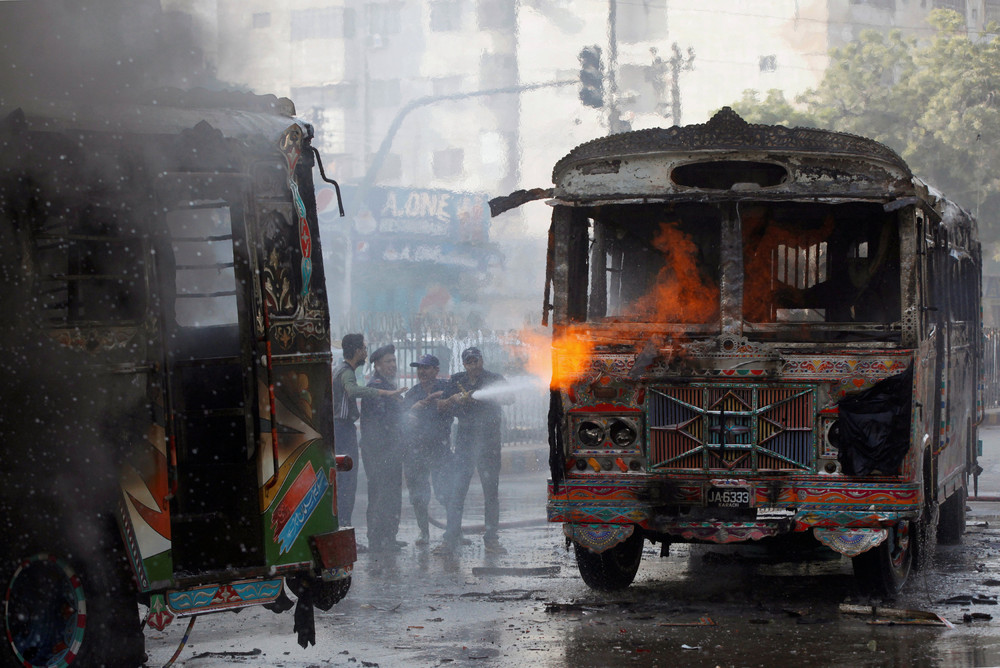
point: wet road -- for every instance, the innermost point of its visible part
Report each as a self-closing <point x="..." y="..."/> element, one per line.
<point x="700" y="606"/>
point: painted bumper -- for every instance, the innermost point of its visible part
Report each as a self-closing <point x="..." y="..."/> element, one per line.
<point x="678" y="507"/>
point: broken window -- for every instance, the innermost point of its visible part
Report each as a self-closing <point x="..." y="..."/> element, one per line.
<point x="202" y="241"/>
<point x="88" y="270"/>
<point x="820" y="263"/>
<point x="655" y="263"/>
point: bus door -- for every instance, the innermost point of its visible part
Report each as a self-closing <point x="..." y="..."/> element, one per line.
<point x="215" y="517"/>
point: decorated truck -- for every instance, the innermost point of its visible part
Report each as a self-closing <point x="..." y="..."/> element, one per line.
<point x="166" y="434"/>
<point x="760" y="334"/>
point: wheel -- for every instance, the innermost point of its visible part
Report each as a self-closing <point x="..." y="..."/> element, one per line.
<point x="882" y="570"/>
<point x="951" y="523"/>
<point x="59" y="611"/>
<point x="612" y="569"/>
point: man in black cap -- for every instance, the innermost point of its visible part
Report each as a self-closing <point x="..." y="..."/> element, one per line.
<point x="382" y="453"/>
<point x="346" y="393"/>
<point x="477" y="446"/>
<point x="427" y="426"/>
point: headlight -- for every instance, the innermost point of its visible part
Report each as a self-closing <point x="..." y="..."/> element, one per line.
<point x="590" y="434"/>
<point x="622" y="433"/>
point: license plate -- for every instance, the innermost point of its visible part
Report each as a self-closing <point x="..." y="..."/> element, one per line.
<point x="728" y="497"/>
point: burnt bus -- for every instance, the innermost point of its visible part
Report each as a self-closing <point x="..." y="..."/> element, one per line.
<point x="759" y="334"/>
<point x="166" y="430"/>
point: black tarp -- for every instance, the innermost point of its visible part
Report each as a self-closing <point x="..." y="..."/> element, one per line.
<point x="874" y="427"/>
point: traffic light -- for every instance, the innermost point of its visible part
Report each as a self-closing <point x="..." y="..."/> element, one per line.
<point x="591" y="77"/>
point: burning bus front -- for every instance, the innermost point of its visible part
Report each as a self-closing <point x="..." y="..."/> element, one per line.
<point x="730" y="455"/>
<point x="750" y="345"/>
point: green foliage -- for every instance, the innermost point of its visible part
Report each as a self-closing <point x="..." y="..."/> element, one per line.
<point x="936" y="103"/>
<point x="773" y="110"/>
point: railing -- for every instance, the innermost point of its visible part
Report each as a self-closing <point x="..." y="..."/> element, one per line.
<point x="991" y="370"/>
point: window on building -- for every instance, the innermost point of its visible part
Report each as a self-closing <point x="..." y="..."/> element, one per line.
<point x="954" y="5"/>
<point x="991" y="10"/>
<point x="447" y="85"/>
<point x="384" y="18"/>
<point x="448" y="163"/>
<point x="641" y="21"/>
<point x="446" y="15"/>
<point x="262" y="20"/>
<point x="335" y="96"/>
<point x="768" y="63"/>
<point x="493" y="155"/>
<point x="887" y="5"/>
<point x="384" y="93"/>
<point x="496" y="15"/>
<point x="322" y="23"/>
<point x="497" y="70"/>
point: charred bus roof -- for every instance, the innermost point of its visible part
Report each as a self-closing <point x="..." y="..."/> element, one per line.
<point x="240" y="116"/>
<point x="728" y="158"/>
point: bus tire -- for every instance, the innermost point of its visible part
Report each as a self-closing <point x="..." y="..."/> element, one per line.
<point x="59" y="611"/>
<point x="882" y="571"/>
<point x="951" y="522"/>
<point x="613" y="569"/>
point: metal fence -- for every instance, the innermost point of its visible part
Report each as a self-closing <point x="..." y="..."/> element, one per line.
<point x="504" y="352"/>
<point x="991" y="375"/>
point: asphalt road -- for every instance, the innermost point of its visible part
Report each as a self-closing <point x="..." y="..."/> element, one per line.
<point x="699" y="606"/>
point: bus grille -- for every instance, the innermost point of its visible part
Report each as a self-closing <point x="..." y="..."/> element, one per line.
<point x="732" y="428"/>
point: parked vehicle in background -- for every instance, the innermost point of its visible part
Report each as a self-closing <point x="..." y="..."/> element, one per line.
<point x="759" y="334"/>
<point x="167" y="431"/>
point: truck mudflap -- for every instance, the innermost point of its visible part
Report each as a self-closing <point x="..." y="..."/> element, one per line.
<point x="598" y="538"/>
<point x="851" y="542"/>
<point x="336" y="552"/>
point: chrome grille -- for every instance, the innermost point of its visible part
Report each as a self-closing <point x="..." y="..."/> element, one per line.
<point x="732" y="428"/>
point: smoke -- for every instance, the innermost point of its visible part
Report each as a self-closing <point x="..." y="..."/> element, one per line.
<point x="104" y="50"/>
<point x="66" y="425"/>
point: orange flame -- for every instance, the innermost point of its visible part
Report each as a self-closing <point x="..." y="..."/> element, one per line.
<point x="680" y="294"/>
<point x="563" y="358"/>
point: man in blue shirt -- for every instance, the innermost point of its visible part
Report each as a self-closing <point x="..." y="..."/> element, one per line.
<point x="427" y="425"/>
<point x="382" y="452"/>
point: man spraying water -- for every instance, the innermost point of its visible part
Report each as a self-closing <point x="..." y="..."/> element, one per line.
<point x="477" y="445"/>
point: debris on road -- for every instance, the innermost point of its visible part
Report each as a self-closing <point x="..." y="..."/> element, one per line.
<point x="970" y="617"/>
<point x="894" y="616"/>
<point x="704" y="620"/>
<point x="510" y="570"/>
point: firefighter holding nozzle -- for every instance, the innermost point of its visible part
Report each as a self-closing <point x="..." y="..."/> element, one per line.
<point x="477" y="396"/>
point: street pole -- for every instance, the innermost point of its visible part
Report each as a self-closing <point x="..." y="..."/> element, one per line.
<point x="368" y="181"/>
<point x="615" y="125"/>
<point x="383" y="150"/>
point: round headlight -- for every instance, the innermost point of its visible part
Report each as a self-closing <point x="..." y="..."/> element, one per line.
<point x="623" y="434"/>
<point x="591" y="434"/>
<point x="833" y="434"/>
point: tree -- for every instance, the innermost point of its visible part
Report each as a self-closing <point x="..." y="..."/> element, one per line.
<point x="936" y="103"/>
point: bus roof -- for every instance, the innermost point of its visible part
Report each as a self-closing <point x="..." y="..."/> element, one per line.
<point x="771" y="160"/>
<point x="166" y="112"/>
